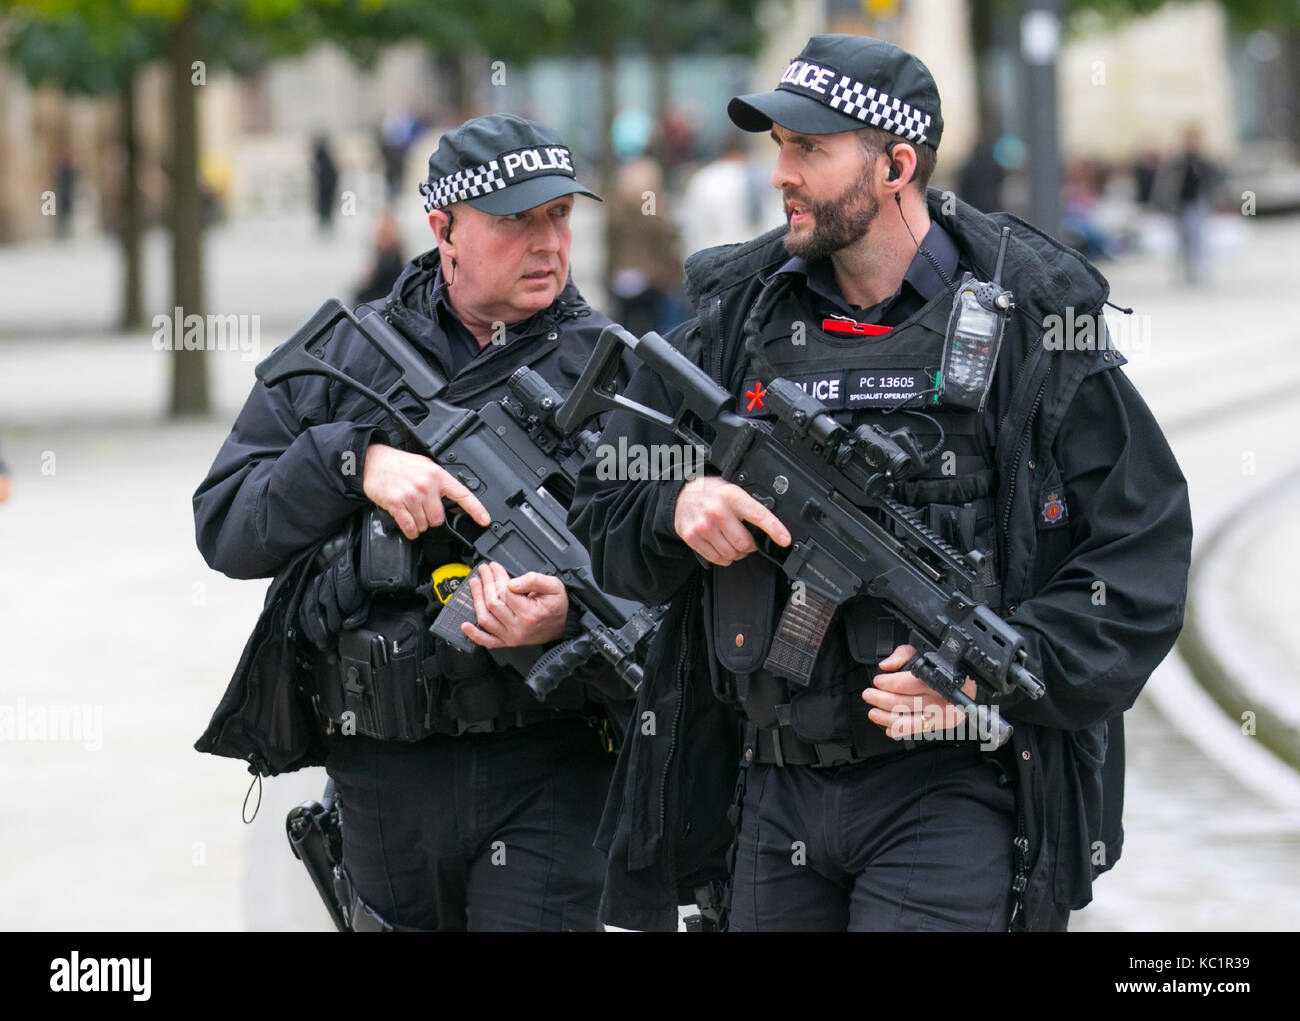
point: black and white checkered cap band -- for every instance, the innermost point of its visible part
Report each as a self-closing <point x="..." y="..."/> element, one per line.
<point x="509" y="168"/>
<point x="849" y="96"/>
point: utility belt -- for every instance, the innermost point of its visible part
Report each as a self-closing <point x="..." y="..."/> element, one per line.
<point x="392" y="680"/>
<point x="382" y="672"/>
<point x="781" y="746"/>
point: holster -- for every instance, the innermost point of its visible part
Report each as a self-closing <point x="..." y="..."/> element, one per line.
<point x="384" y="680"/>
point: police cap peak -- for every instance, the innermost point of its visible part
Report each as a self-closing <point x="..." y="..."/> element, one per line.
<point x="501" y="164"/>
<point x="844" y="83"/>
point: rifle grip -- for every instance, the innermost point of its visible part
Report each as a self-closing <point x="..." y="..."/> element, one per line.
<point x="554" y="666"/>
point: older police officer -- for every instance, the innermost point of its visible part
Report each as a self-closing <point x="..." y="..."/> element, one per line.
<point x="483" y="815"/>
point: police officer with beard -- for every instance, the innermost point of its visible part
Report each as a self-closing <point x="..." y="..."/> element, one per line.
<point x="862" y="802"/>
<point x="475" y="806"/>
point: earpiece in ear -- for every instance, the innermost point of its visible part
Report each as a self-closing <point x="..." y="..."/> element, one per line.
<point x="894" y="170"/>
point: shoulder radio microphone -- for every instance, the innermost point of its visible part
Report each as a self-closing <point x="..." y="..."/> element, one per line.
<point x="970" y="347"/>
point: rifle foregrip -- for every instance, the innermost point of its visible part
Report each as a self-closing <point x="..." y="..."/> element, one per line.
<point x="554" y="666"/>
<point x="983" y="720"/>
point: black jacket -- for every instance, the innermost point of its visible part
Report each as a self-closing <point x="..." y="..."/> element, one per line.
<point x="290" y="475"/>
<point x="1068" y="422"/>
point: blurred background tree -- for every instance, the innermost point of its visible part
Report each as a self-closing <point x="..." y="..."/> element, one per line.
<point x="99" y="47"/>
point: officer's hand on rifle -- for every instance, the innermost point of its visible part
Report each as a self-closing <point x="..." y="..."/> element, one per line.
<point x="904" y="704"/>
<point x="411" y="487"/>
<point x="528" y="610"/>
<point x="710" y="517"/>
<point x="4" y="488"/>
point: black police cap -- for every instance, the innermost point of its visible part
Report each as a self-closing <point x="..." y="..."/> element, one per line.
<point x="500" y="164"/>
<point x="843" y="83"/>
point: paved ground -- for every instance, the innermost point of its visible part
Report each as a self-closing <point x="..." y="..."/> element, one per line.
<point x="112" y="620"/>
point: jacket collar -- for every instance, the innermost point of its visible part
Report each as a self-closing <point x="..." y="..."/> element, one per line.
<point x="418" y="301"/>
<point x="420" y="292"/>
<point x="920" y="277"/>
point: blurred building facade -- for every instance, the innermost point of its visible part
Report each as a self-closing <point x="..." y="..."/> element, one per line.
<point x="1124" y="88"/>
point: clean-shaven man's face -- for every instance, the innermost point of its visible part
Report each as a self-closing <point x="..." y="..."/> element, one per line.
<point x="508" y="267"/>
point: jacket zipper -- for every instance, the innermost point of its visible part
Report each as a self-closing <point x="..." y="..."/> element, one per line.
<point x="1015" y="471"/>
<point x="717" y="361"/>
<point x="1021" y="880"/>
<point x="677" y="713"/>
<point x="716" y="313"/>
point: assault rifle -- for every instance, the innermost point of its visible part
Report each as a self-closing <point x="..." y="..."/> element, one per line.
<point x="830" y="486"/>
<point x="509" y="455"/>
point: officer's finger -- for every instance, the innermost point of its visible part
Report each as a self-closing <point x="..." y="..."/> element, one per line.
<point x="709" y="552"/>
<point x="900" y="657"/>
<point x="420" y="511"/>
<point x="749" y="509"/>
<point x="494" y="591"/>
<point x="455" y="491"/>
<point x="892" y="702"/>
<point x="928" y="720"/>
<point x="405" y="521"/>
<point x="499" y="575"/>
<point x="481" y="612"/>
<point x="739" y="538"/>
<point x="480" y="637"/>
<point x="536" y="583"/>
<point x="723" y="547"/>
<point x="897" y="723"/>
<point x="904" y="683"/>
<point x="731" y="546"/>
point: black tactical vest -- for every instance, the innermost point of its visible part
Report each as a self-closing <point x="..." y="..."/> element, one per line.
<point x="862" y="380"/>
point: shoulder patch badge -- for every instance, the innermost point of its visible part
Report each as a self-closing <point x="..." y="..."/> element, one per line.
<point x="1054" y="509"/>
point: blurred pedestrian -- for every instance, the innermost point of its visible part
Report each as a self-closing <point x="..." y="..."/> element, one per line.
<point x="1081" y="227"/>
<point x="4" y="478"/>
<point x="981" y="178"/>
<point x="678" y="139"/>
<point x="645" y="267"/>
<point x="388" y="262"/>
<point x="728" y="201"/>
<point x="215" y="177"/>
<point x="65" y="190"/>
<point x="1187" y="186"/>
<point x="396" y="135"/>
<point x="326" y="176"/>
<point x="1145" y="168"/>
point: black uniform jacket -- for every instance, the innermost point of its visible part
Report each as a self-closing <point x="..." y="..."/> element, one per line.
<point x="290" y="475"/>
<point x="1071" y="432"/>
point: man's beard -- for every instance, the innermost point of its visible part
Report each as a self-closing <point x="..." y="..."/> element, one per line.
<point x="837" y="223"/>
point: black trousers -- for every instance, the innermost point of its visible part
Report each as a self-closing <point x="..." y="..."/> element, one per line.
<point x="916" y="841"/>
<point x="478" y="832"/>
